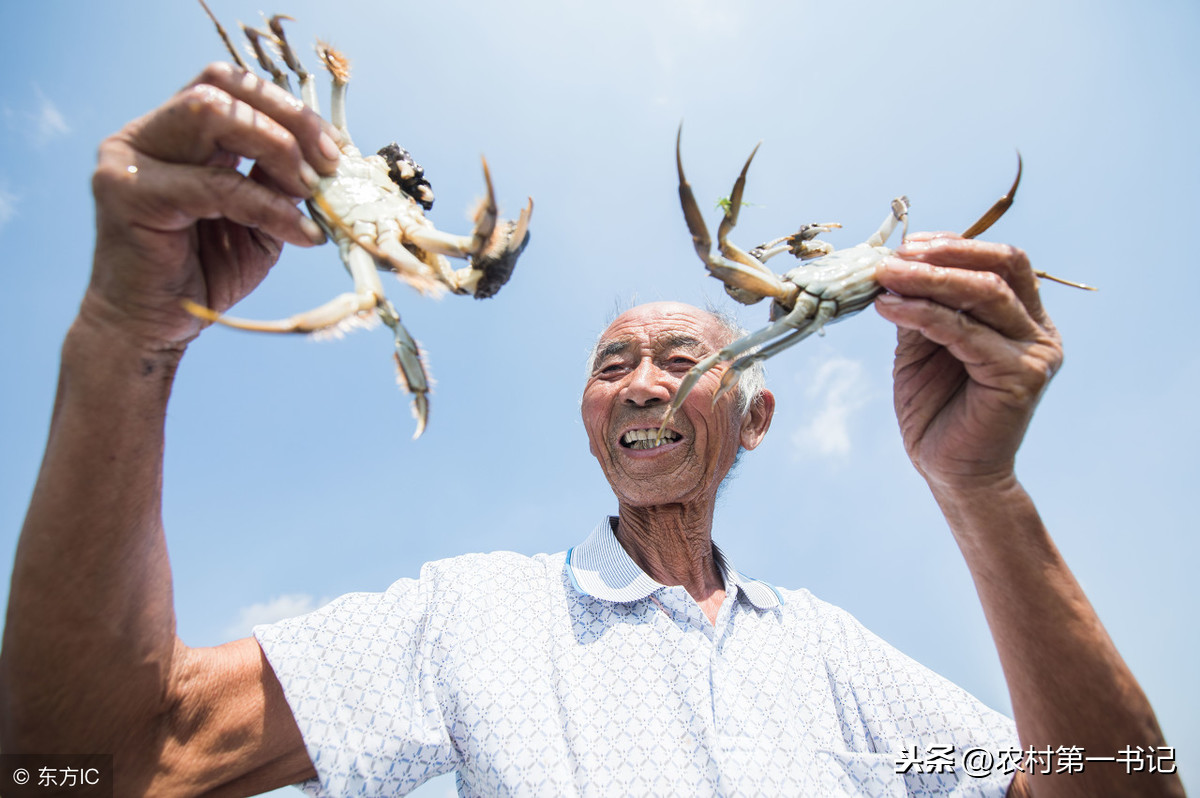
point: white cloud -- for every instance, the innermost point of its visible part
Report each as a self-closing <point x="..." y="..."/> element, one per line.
<point x="278" y="608"/>
<point x="837" y="390"/>
<point x="41" y="125"/>
<point x="48" y="121"/>
<point x="8" y="206"/>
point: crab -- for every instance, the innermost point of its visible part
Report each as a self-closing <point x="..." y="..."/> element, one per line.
<point x="829" y="286"/>
<point x="373" y="208"/>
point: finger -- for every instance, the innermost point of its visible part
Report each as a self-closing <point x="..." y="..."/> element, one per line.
<point x="170" y="197"/>
<point x="263" y="178"/>
<point x="318" y="138"/>
<point x="929" y="235"/>
<point x="984" y="295"/>
<point x="1022" y="368"/>
<point x="203" y="125"/>
<point x="961" y="253"/>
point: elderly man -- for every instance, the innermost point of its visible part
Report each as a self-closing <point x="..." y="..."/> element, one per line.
<point x="638" y="662"/>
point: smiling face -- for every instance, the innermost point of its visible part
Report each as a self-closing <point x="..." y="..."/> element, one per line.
<point x="640" y="360"/>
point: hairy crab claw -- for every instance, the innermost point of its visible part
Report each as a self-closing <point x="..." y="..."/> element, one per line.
<point x="373" y="207"/>
<point x="649" y="438"/>
<point x="828" y="285"/>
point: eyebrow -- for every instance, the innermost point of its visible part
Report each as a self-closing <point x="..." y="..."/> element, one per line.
<point x="610" y="348"/>
<point x="679" y="341"/>
<point x="674" y="341"/>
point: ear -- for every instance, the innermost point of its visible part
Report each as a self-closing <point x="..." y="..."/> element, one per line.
<point x="757" y="420"/>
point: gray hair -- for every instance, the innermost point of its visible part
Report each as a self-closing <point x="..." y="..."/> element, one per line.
<point x="751" y="382"/>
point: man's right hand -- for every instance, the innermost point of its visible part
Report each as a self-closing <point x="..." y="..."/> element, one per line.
<point x="176" y="220"/>
<point x="99" y="667"/>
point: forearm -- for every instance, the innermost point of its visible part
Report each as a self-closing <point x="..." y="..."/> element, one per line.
<point x="1069" y="685"/>
<point x="90" y="630"/>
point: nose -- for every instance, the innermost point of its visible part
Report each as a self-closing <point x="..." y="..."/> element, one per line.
<point x="646" y="386"/>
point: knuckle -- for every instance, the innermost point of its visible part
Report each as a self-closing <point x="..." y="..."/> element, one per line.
<point x="113" y="163"/>
<point x="1016" y="255"/>
<point x="991" y="282"/>
<point x="1014" y="260"/>
<point x="218" y="73"/>
<point x="205" y="100"/>
<point x="964" y="324"/>
<point x="1039" y="365"/>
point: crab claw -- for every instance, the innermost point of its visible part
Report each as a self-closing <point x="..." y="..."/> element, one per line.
<point x="729" y="220"/>
<point x="998" y="209"/>
<point x="497" y="246"/>
<point x="410" y="369"/>
<point x="420" y="406"/>
<point x="746" y="279"/>
<point x="729" y="381"/>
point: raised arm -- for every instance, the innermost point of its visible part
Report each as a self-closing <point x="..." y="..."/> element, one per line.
<point x="975" y="351"/>
<point x="90" y="660"/>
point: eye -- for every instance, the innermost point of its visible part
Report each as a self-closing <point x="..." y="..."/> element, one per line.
<point x="610" y="369"/>
<point x="678" y="362"/>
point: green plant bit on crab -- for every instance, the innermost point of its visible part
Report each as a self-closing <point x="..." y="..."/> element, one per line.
<point x="829" y="286"/>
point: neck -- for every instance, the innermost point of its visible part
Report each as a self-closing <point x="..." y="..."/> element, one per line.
<point x="673" y="545"/>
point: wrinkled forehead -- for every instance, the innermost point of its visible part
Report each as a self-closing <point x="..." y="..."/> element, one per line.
<point x="662" y="325"/>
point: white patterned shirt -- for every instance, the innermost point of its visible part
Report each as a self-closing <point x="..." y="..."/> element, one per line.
<point x="577" y="674"/>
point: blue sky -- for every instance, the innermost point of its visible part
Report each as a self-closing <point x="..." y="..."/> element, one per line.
<point x="290" y="473"/>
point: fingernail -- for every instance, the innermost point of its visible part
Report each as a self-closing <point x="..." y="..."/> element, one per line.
<point x="329" y="147"/>
<point x="312" y="230"/>
<point x="888" y="299"/>
<point x="309" y="176"/>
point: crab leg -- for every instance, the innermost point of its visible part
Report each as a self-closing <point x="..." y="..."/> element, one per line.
<point x="430" y="238"/>
<point x="746" y="279"/>
<point x="331" y="314"/>
<point x="347" y="310"/>
<point x="997" y="210"/>
<point x="411" y="371"/>
<point x="729" y="220"/>
<point x="308" y="82"/>
<point x="403" y="264"/>
<point x="804" y="306"/>
<point x="237" y="58"/>
<point x="856" y="287"/>
<point x="483" y="238"/>
<point x="368" y="290"/>
<point x="278" y="76"/>
<point x="338" y="67"/>
<point x="899" y="213"/>
<point x="800" y="243"/>
<point x="825" y="313"/>
<point x="491" y="249"/>
<point x="408" y="364"/>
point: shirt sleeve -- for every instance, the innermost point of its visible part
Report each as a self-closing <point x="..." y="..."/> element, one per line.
<point x="939" y="737"/>
<point x="358" y="675"/>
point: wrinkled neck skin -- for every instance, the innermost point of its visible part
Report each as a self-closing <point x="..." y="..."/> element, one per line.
<point x="673" y="544"/>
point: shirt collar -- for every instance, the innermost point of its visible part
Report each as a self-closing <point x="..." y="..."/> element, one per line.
<point x="600" y="567"/>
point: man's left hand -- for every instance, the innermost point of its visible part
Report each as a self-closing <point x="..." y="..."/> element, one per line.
<point x="975" y="350"/>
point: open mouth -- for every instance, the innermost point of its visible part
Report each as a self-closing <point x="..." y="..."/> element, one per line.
<point x="645" y="438"/>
